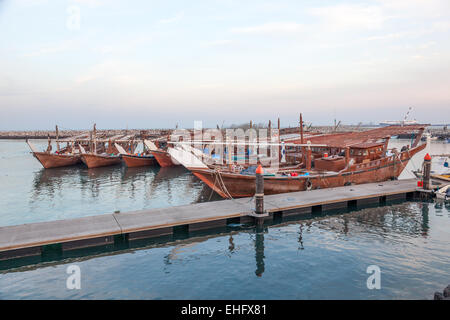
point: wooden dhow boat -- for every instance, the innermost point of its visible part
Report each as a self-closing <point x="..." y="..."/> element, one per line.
<point x="161" y="154"/>
<point x="104" y="153"/>
<point x="62" y="157"/>
<point x="353" y="158"/>
<point x="93" y="160"/>
<point x="141" y="159"/>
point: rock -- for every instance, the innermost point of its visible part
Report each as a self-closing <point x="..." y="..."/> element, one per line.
<point x="447" y="292"/>
<point x="438" y="296"/>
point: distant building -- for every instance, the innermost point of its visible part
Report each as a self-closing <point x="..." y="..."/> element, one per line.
<point x="397" y="122"/>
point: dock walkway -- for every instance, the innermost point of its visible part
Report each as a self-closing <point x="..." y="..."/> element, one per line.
<point x="31" y="239"/>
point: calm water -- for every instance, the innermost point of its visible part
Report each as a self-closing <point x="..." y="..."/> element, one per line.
<point x="29" y="193"/>
<point x="317" y="257"/>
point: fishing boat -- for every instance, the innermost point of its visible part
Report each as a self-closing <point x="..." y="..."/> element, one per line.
<point x="62" y="157"/>
<point x="92" y="160"/>
<point x="141" y="159"/>
<point x="163" y="158"/>
<point x="104" y="153"/>
<point x="161" y="155"/>
<point x="54" y="160"/>
<point x="138" y="160"/>
<point x="353" y="158"/>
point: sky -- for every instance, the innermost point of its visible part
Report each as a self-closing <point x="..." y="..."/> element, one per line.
<point x="154" y="64"/>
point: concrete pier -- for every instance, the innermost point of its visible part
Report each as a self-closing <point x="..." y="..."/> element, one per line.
<point x="32" y="239"/>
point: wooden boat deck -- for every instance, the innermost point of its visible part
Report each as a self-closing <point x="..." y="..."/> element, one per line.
<point x="30" y="239"/>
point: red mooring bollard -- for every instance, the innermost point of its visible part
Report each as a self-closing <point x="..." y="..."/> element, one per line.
<point x="427" y="172"/>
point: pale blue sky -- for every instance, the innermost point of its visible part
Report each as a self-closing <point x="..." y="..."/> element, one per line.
<point x="158" y="63"/>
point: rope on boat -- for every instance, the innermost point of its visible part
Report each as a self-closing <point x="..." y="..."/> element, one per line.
<point x="218" y="177"/>
<point x="416" y="168"/>
<point x="212" y="189"/>
<point x="223" y="187"/>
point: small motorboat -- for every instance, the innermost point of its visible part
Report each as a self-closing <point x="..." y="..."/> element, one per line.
<point x="443" y="193"/>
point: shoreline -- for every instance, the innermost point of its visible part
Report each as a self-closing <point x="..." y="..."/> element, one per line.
<point x="44" y="134"/>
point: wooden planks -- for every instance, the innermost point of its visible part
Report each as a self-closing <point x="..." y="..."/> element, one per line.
<point x="101" y="229"/>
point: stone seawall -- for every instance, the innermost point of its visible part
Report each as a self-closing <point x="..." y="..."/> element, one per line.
<point x="43" y="134"/>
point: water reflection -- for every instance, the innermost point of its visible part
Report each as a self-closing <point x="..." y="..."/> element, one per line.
<point x="93" y="180"/>
<point x="206" y="193"/>
<point x="231" y="246"/>
<point x="148" y="187"/>
<point x="169" y="178"/>
<point x="48" y="181"/>
<point x="382" y="221"/>
<point x="259" y="251"/>
<point x="300" y="237"/>
<point x="425" y="219"/>
<point x="392" y="222"/>
<point x="135" y="180"/>
<point x="440" y="205"/>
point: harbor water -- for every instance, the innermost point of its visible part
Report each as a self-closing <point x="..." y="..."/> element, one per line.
<point x="323" y="256"/>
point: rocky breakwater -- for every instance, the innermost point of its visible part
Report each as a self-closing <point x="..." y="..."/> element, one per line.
<point x="43" y="134"/>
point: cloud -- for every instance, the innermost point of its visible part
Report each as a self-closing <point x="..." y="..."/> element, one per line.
<point x="416" y="8"/>
<point x="441" y="26"/>
<point x="64" y="46"/>
<point x="427" y="45"/>
<point x="90" y="3"/>
<point x="173" y="19"/>
<point x="219" y="43"/>
<point x="124" y="45"/>
<point x="112" y="71"/>
<point x="345" y="17"/>
<point x="271" y="28"/>
<point x="389" y="36"/>
<point x="30" y="3"/>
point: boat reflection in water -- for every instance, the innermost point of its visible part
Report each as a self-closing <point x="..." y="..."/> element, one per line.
<point x="259" y="251"/>
<point x="47" y="182"/>
<point x="72" y="192"/>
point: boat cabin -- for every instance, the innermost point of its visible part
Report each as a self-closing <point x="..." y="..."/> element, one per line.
<point x="360" y="153"/>
<point x="367" y="151"/>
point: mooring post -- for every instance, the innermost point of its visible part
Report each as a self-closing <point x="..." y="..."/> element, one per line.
<point x="259" y="195"/>
<point x="427" y="172"/>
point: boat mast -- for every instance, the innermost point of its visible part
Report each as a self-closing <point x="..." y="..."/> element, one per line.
<point x="94" y="136"/>
<point x="279" y="141"/>
<point x="57" y="138"/>
<point x="269" y="136"/>
<point x="49" y="147"/>
<point x="301" y="129"/>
